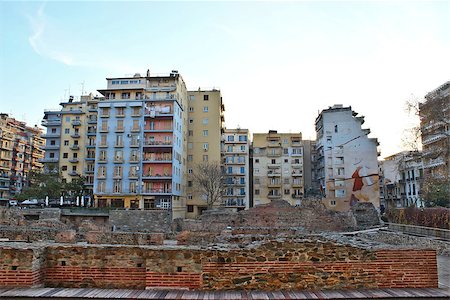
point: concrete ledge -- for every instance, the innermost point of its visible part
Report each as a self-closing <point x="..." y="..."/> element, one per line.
<point x="421" y="230"/>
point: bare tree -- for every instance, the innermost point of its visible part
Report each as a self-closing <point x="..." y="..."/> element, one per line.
<point x="209" y="179"/>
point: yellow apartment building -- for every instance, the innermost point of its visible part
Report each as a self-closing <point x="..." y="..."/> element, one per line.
<point x="205" y="128"/>
<point x="277" y="167"/>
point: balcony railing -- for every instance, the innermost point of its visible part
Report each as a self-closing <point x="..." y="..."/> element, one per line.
<point x="73" y="160"/>
<point x="157" y="191"/>
<point x="157" y="143"/>
<point x="76" y="122"/>
<point x="75" y="147"/>
<point x="234" y="202"/>
<point x="51" y="122"/>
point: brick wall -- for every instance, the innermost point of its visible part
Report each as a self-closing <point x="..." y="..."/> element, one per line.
<point x="268" y="265"/>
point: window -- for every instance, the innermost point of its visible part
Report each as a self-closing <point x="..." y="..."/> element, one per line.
<point x="242" y="138"/>
<point x="286" y="151"/>
<point x="191" y="133"/>
<point x="256" y="192"/>
<point x="133" y="188"/>
<point x="52" y="142"/>
<point x="230" y="138"/>
<point x="242" y="170"/>
<point x="67" y="119"/>
<point x="191" y="109"/>
<point x="103" y="140"/>
<point x="125" y="96"/>
<point x="53" y="130"/>
<point x="101" y="172"/>
<point x="74" y="168"/>
<point x="205" y="157"/>
<point x="52" y="155"/>
<point x="333" y="202"/>
<point x="205" y="121"/>
<point x="205" y="97"/>
<point x="120" y="111"/>
<point x="205" y="132"/>
<point x="101" y="187"/>
<point x="242" y="148"/>
<point x="190" y="171"/>
<point x="190" y="145"/>
<point x="256" y="160"/>
<point x="118" y="155"/>
<point x="117" y="171"/>
<point x="328" y="139"/>
<point x="65" y="155"/>
<point x="64" y="168"/>
<point x="190" y="208"/>
<point x="273" y="161"/>
<point x="286" y="191"/>
<point x="205" y="146"/>
<point x="189" y="183"/>
<point x="75" y="155"/>
<point x="191" y="97"/>
<point x="257" y="180"/>
<point x="189" y="158"/>
<point x="119" y="125"/>
<point x="119" y="140"/>
<point x="117" y="187"/>
<point x="335" y="128"/>
<point x="286" y="180"/>
<point x="105" y="111"/>
<point x="205" y="108"/>
<point x="136" y="110"/>
<point x="67" y="130"/>
<point x="135" y="125"/>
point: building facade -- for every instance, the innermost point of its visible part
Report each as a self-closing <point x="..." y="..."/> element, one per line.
<point x="205" y="127"/>
<point x="21" y="149"/>
<point x="140" y="149"/>
<point x="402" y="180"/>
<point x="278" y="162"/>
<point x="236" y="165"/>
<point x="69" y="146"/>
<point x="347" y="163"/>
<point x="434" y="123"/>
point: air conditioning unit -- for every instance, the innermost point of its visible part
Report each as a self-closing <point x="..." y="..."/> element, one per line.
<point x="137" y="168"/>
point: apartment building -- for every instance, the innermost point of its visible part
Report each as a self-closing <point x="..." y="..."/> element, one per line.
<point x="21" y="147"/>
<point x="141" y="145"/>
<point x="278" y="163"/>
<point x="434" y="122"/>
<point x="347" y="163"/>
<point x="68" y="143"/>
<point x="205" y="127"/>
<point x="403" y="174"/>
<point x="236" y="164"/>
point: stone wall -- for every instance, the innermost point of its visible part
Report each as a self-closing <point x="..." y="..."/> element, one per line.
<point x="28" y="234"/>
<point x="267" y="265"/>
<point x="141" y="220"/>
<point x="312" y="216"/>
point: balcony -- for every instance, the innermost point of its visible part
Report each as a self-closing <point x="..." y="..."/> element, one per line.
<point x="92" y="108"/>
<point x="104" y="129"/>
<point x="156" y="176"/>
<point x="274" y="184"/>
<point x="432" y="163"/>
<point x="89" y="171"/>
<point x="234" y="202"/>
<point x="76" y="122"/>
<point x="74" y="173"/>
<point x="102" y="160"/>
<point x="92" y="121"/>
<point x="273" y="196"/>
<point x="134" y="144"/>
<point x="91" y="133"/>
<point x="433" y="139"/>
<point x="104" y="116"/>
<point x="74" y="147"/>
<point x="52" y="122"/>
<point x="297" y="196"/>
<point x="75" y="135"/>
<point x="273" y="174"/>
<point x="50" y="135"/>
<point x="49" y="160"/>
<point x="273" y="166"/>
<point x="51" y="147"/>
<point x="74" y="160"/>
<point x="274" y="154"/>
<point x="158" y="143"/>
<point x="90" y="146"/>
<point x="103" y="145"/>
<point x="296" y="184"/>
<point x="118" y="145"/>
<point x="119" y="129"/>
<point x="90" y="158"/>
<point x="118" y="160"/>
<point x="132" y="175"/>
<point x="297" y="173"/>
<point x="157" y="191"/>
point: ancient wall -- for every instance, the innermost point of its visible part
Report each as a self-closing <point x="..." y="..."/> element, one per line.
<point x="141" y="220"/>
<point x="20" y="267"/>
<point x="273" y="265"/>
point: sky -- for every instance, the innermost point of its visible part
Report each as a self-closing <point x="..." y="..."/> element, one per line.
<point x="277" y="64"/>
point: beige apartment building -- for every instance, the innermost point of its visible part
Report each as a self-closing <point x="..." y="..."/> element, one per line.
<point x="205" y="128"/>
<point x="70" y="139"/>
<point x="277" y="167"/>
<point x="21" y="148"/>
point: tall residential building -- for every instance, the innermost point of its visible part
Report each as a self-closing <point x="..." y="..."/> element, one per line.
<point x="403" y="173"/>
<point x="206" y="123"/>
<point x="278" y="167"/>
<point x="68" y="147"/>
<point x="347" y="159"/>
<point x="21" y="147"/>
<point x="141" y="143"/>
<point x="434" y="122"/>
<point x="236" y="164"/>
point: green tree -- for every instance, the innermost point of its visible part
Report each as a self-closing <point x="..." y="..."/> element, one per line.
<point x="75" y="188"/>
<point x="43" y="184"/>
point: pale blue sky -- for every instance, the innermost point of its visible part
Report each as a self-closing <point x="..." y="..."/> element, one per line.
<point x="276" y="63"/>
